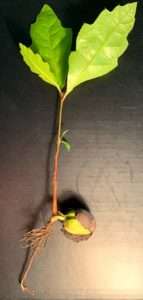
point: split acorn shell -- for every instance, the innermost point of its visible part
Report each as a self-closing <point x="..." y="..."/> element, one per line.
<point x="78" y="225"/>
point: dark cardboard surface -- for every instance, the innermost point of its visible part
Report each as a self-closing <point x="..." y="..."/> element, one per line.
<point x="105" y="166"/>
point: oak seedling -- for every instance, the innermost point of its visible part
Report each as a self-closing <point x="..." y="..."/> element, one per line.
<point x="98" y="48"/>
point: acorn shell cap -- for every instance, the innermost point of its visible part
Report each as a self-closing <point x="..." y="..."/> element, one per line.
<point x="87" y="220"/>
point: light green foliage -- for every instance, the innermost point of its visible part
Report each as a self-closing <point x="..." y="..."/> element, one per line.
<point x="73" y="226"/>
<point x="53" y="43"/>
<point x="98" y="47"/>
<point x="37" y="65"/>
<point x="100" y="44"/>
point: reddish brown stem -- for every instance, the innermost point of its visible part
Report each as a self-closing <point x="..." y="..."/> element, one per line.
<point x="56" y="159"/>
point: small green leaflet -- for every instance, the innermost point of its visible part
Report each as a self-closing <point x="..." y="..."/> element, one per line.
<point x="66" y="144"/>
<point x="65" y="132"/>
<point x="64" y="141"/>
<point x="51" y="44"/>
<point x="99" y="45"/>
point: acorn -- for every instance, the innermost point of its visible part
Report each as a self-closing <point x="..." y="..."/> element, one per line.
<point x="78" y="225"/>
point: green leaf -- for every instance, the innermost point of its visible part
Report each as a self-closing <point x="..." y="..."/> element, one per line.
<point x="66" y="143"/>
<point x="99" y="45"/>
<point x="53" y="42"/>
<point x="65" y="132"/>
<point x="38" y="66"/>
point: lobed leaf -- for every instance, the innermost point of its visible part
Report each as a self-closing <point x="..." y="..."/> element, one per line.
<point x="53" y="42"/>
<point x="38" y="66"/>
<point x="99" y="45"/>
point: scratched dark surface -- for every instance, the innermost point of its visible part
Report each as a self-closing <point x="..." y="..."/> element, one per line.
<point x="105" y="165"/>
